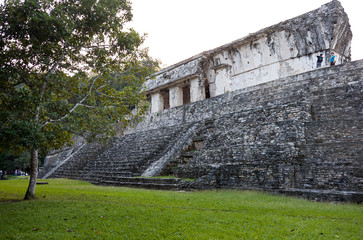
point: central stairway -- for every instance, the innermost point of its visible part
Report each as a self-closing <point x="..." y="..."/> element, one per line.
<point x="125" y="159"/>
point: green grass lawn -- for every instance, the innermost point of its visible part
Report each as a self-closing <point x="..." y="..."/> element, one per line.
<point x="68" y="209"/>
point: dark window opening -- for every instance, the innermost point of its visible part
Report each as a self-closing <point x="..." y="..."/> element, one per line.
<point x="206" y="86"/>
<point x="186" y="94"/>
<point x="165" y="95"/>
<point x="148" y="99"/>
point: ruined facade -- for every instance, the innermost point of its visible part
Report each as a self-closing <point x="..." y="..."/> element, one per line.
<point x="285" y="49"/>
<point x="252" y="114"/>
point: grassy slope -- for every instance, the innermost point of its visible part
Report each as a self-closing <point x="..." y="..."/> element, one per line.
<point x="69" y="209"/>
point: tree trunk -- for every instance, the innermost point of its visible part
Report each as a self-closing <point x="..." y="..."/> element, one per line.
<point x="30" y="193"/>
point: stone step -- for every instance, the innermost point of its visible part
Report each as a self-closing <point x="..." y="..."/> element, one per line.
<point x="110" y="168"/>
<point x="105" y="174"/>
<point x="101" y="172"/>
<point x="152" y="183"/>
<point x="68" y="177"/>
<point x="140" y="185"/>
<point x="144" y="180"/>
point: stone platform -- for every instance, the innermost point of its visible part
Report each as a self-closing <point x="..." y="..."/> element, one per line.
<point x="300" y="135"/>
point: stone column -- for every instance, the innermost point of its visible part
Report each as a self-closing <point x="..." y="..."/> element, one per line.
<point x="176" y="96"/>
<point x="197" y="91"/>
<point x="222" y="79"/>
<point x="157" y="103"/>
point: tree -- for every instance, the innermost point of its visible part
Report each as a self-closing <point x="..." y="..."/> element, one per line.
<point x="58" y="62"/>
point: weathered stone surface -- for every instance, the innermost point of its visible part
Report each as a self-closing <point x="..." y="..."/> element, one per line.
<point x="285" y="49"/>
<point x="183" y="71"/>
<point x="55" y="159"/>
<point x="156" y="167"/>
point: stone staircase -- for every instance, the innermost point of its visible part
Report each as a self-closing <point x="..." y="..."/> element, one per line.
<point x="74" y="167"/>
<point x="124" y="159"/>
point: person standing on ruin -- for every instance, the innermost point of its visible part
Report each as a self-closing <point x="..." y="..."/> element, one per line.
<point x="320" y="60"/>
<point x="332" y="59"/>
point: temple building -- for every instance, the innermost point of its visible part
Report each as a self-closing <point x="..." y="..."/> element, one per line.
<point x="285" y="49"/>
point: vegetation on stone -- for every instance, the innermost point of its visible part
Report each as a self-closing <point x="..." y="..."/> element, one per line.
<point x="69" y="209"/>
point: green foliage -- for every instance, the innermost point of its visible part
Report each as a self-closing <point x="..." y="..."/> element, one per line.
<point x="68" y="67"/>
<point x="68" y="209"/>
<point x="9" y="162"/>
<point x="23" y="161"/>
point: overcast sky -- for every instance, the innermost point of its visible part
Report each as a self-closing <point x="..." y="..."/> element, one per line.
<point x="179" y="29"/>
